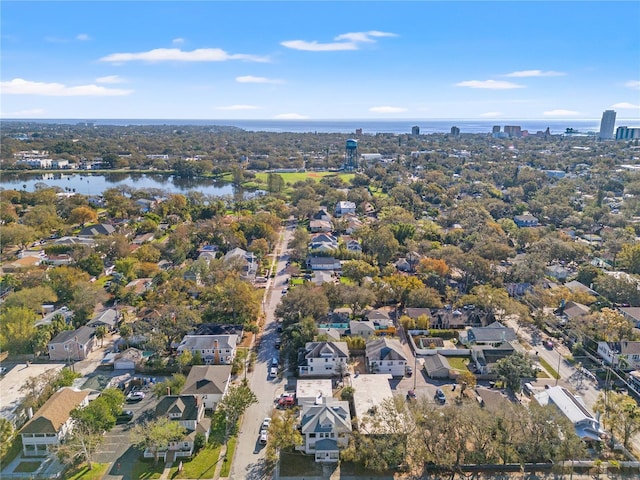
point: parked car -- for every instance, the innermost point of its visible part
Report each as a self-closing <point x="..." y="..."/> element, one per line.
<point x="273" y="372"/>
<point x="125" y="417"/>
<point x="265" y="423"/>
<point x="411" y="395"/>
<point x="287" y="401"/>
<point x="440" y="397"/>
<point x="284" y="291"/>
<point x="274" y="362"/>
<point x="277" y="344"/>
<point x="279" y="328"/>
<point x="135" y="396"/>
<point x="3" y="370"/>
<point x="548" y="344"/>
<point x="409" y="371"/>
<point x="263" y="437"/>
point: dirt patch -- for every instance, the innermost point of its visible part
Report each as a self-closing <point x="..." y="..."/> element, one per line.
<point x="314" y="175"/>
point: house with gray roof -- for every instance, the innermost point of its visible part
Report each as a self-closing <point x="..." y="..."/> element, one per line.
<point x="437" y="366"/>
<point x="108" y="318"/>
<point x="71" y="344"/>
<point x="95" y="230"/>
<point x="386" y="355"/>
<point x="208" y="383"/>
<point x="493" y="334"/>
<point x="214" y="349"/>
<point x="326" y="428"/>
<point x="188" y="411"/>
<point x="246" y="262"/>
<point x="324" y="359"/>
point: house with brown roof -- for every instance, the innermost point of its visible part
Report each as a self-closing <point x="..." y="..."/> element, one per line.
<point x="208" y="383"/>
<point x="51" y="423"/>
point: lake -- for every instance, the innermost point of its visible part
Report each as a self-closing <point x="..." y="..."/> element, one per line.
<point x="94" y="184"/>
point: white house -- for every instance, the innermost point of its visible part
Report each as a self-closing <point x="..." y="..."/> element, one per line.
<point x="586" y="425"/>
<point x="51" y="423"/>
<point x="214" y="349"/>
<point x="325" y="427"/>
<point x="208" y="383"/>
<point x="324" y="359"/>
<point x="345" y="207"/>
<point x="625" y="355"/>
<point x="386" y="356"/>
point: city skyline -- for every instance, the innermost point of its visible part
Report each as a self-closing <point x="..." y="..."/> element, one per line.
<point x="320" y="60"/>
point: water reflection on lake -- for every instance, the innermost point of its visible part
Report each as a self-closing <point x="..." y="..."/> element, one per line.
<point x="95" y="184"/>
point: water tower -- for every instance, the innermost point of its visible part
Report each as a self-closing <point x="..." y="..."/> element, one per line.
<point x="351" y="154"/>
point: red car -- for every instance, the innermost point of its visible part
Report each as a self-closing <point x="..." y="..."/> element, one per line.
<point x="288" y="401"/>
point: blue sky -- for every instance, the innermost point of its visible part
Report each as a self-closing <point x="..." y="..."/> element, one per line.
<point x="319" y="60"/>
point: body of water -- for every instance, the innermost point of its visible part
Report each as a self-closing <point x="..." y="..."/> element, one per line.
<point x="95" y="184"/>
<point x="349" y="126"/>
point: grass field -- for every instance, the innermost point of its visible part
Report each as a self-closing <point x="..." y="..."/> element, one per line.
<point x="27" y="467"/>
<point x="203" y="465"/>
<point x="96" y="473"/>
<point x="226" y="466"/>
<point x="147" y="469"/>
<point x="292" y="177"/>
<point x="458" y="363"/>
<point x="548" y="368"/>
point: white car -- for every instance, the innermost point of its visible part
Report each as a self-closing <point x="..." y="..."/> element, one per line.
<point x="265" y="423"/>
<point x="135" y="396"/>
<point x="273" y="372"/>
<point x="263" y="437"/>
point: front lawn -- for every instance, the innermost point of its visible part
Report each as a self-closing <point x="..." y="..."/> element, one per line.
<point x="228" y="458"/>
<point x="548" y="368"/>
<point x="202" y="465"/>
<point x="147" y="469"/>
<point x="96" y="473"/>
<point x="295" y="464"/>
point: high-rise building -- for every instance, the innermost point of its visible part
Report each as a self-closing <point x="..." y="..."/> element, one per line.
<point x="513" y="130"/>
<point x="415" y="130"/>
<point x="455" y="131"/>
<point x="495" y="129"/>
<point x="627" y="133"/>
<point x="606" y="125"/>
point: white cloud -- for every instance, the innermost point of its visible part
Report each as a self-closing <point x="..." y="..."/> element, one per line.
<point x="490" y="84"/>
<point x="19" y="86"/>
<point x="83" y="37"/>
<point x="177" y="55"/>
<point x="252" y="79"/>
<point x="491" y="114"/>
<point x="177" y="41"/>
<point x="387" y="109"/>
<point x="342" y="42"/>
<point x="290" y="116"/>
<point x="635" y="84"/>
<point x="535" y="73"/>
<point x="319" y="47"/>
<point x="560" y="113"/>
<point x="625" y="105"/>
<point x="111" y="79"/>
<point x="25" y="113"/>
<point x="238" y="107"/>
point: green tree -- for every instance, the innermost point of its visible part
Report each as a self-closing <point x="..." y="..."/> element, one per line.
<point x="100" y="333"/>
<point x="17" y="329"/>
<point x="275" y="183"/>
<point x="358" y="270"/>
<point x="171" y="386"/>
<point x="236" y="401"/>
<point x="6" y="436"/>
<point x="92" y="264"/>
<point x="303" y="301"/>
<point x="184" y="359"/>
<point x="299" y="244"/>
<point x="17" y="234"/>
<point x="283" y="434"/>
<point x="83" y="215"/>
<point x="512" y="369"/>
<point x="156" y="435"/>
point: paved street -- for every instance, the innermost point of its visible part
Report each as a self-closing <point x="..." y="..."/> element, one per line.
<point x="249" y="455"/>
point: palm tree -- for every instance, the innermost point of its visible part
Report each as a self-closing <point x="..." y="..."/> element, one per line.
<point x="101" y="332"/>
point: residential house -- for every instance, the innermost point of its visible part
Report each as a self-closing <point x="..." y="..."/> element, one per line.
<point x="192" y="276"/>
<point x="208" y="383"/>
<point x="139" y="285"/>
<point x="323" y="242"/>
<point x="95" y="230"/>
<point x="324" y="359"/>
<point x="326" y="428"/>
<point x="72" y="344"/>
<point x="143" y="238"/>
<point x="586" y="425"/>
<point x="246" y="262"/>
<point x="353" y="246"/>
<point x="214" y="349"/>
<point x="365" y="329"/>
<point x="51" y="423"/>
<point x="557" y="272"/>
<point x="312" y="390"/>
<point x="631" y="313"/>
<point x="320" y="226"/>
<point x="208" y="252"/>
<point x="64" y="312"/>
<point x="573" y="310"/>
<point x="625" y="355"/>
<point x="415" y="313"/>
<point x="352" y="222"/>
<point x="322" y="214"/>
<point x="129" y="359"/>
<point x="344" y="208"/>
<point x="386" y="356"/>
<point x="22" y="263"/>
<point x="189" y="413"/>
<point x="526" y="220"/>
<point x="57" y="260"/>
<point x="89" y="242"/>
<point x="323" y="263"/>
<point x="484" y="357"/>
<point x="493" y="334"/>
<point x="107" y="318"/>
